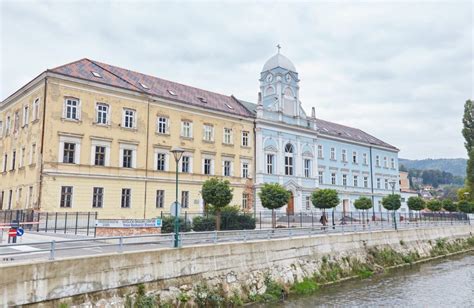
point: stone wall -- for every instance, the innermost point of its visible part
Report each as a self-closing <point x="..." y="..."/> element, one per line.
<point x="233" y="267"/>
<point x="102" y="231"/>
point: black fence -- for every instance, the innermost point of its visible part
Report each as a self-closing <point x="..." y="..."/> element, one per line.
<point x="82" y="223"/>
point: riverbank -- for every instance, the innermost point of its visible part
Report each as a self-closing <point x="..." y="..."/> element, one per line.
<point x="444" y="282"/>
<point x="226" y="273"/>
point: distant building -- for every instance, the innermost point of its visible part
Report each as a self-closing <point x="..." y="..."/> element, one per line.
<point x="405" y="191"/>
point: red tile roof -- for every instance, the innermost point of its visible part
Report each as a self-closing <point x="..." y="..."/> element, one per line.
<point x="134" y="81"/>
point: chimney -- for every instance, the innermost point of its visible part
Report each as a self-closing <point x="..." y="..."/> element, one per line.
<point x="313" y="112"/>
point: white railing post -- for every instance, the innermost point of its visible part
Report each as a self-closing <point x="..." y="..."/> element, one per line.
<point x="52" y="250"/>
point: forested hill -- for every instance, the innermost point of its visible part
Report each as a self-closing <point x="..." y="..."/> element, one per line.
<point x="456" y="166"/>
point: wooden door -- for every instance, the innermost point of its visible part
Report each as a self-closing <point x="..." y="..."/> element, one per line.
<point x="290" y="208"/>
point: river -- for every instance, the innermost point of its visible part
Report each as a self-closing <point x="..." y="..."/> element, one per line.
<point x="442" y="283"/>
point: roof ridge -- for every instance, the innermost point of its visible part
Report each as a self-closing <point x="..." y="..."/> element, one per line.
<point x="126" y="81"/>
<point x="151" y="76"/>
<point x="61" y="66"/>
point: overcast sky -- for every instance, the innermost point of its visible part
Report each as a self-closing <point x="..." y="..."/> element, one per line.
<point x="400" y="70"/>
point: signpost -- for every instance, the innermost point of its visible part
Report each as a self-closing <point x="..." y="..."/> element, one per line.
<point x="20" y="231"/>
<point x="173" y="210"/>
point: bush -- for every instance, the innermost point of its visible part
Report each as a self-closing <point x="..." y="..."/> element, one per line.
<point x="168" y="225"/>
<point x="239" y="221"/>
<point x="202" y="223"/>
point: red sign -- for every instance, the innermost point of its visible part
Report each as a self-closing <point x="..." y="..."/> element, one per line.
<point x="12" y="232"/>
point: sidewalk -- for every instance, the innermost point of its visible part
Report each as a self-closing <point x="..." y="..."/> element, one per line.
<point x="35" y="237"/>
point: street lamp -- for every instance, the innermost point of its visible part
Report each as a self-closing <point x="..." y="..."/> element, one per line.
<point x="177" y="153"/>
<point x="392" y="183"/>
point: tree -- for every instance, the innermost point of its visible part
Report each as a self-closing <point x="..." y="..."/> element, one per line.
<point x="416" y="203"/>
<point x="217" y="193"/>
<point x="468" y="133"/>
<point x="434" y="205"/>
<point x="325" y="198"/>
<point x="449" y="205"/>
<point x="466" y="207"/>
<point x="273" y="196"/>
<point x="392" y="202"/>
<point x="363" y="203"/>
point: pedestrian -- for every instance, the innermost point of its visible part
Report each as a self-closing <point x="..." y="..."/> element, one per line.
<point x="323" y="220"/>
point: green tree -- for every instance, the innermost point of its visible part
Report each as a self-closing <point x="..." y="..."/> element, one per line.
<point x="466" y="207"/>
<point x="392" y="202"/>
<point x="217" y="193"/>
<point x="363" y="203"/>
<point x="273" y="196"/>
<point x="468" y="133"/>
<point x="449" y="205"/>
<point x="416" y="203"/>
<point x="434" y="205"/>
<point x="325" y="198"/>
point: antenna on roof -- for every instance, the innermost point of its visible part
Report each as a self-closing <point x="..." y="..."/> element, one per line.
<point x="279" y="47"/>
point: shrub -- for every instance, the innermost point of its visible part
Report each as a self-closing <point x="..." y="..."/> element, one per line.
<point x="392" y="202"/>
<point x="231" y="219"/>
<point x="168" y="225"/>
<point x="201" y="223"/>
<point x="307" y="286"/>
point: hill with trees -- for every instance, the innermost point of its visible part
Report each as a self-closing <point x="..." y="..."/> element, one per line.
<point x="455" y="166"/>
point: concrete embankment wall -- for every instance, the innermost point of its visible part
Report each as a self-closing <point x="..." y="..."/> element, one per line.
<point x="232" y="266"/>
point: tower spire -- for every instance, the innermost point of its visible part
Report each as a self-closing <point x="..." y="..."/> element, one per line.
<point x="278" y="47"/>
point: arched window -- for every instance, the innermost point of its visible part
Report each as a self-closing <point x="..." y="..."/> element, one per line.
<point x="289" y="159"/>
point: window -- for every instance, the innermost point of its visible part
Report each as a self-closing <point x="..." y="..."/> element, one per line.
<point x="207" y="166"/>
<point x="7" y="126"/>
<point x="22" y="157"/>
<point x="160" y="161"/>
<point x="30" y="197"/>
<point x="69" y="153"/>
<point x="5" y="162"/>
<point x="364" y="157"/>
<point x="356" y="181"/>
<point x="26" y="115"/>
<point x="127" y="158"/>
<point x="13" y="160"/>
<point x="227" y="136"/>
<point x="307" y="168"/>
<point x="160" y="199"/>
<point x="321" y="177"/>
<point x="270" y="162"/>
<point x="36" y="109"/>
<point x="386" y="183"/>
<point x="33" y="154"/>
<point x="97" y="197"/>
<point x="102" y="111"/>
<point x="162" y="125"/>
<point x="227" y="168"/>
<point x="1" y="129"/>
<point x="377" y="161"/>
<point x="320" y="151"/>
<point x="366" y="181"/>
<point x="344" y="155"/>
<point x="185" y="164"/>
<point x="333" y="179"/>
<point x="379" y="185"/>
<point x="185" y="199"/>
<point x="10" y="197"/>
<point x="392" y="163"/>
<point x="245" y="138"/>
<point x="16" y="124"/>
<point x="288" y="159"/>
<point x="354" y="157"/>
<point x="333" y="154"/>
<point x="99" y="158"/>
<point x="208" y="134"/>
<point x="71" y="109"/>
<point x="344" y="179"/>
<point x="245" y="170"/>
<point x="308" y="203"/>
<point x="66" y="196"/>
<point x="245" y="200"/>
<point x="126" y="196"/>
<point x="186" y="129"/>
<point x="385" y="162"/>
<point x="128" y="118"/>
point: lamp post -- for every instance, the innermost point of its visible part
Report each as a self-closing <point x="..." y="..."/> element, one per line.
<point x="392" y="183"/>
<point x="177" y="153"/>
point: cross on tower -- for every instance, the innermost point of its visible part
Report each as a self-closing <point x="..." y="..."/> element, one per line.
<point x="279" y="47"/>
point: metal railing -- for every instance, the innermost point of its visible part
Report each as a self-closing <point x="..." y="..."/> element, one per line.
<point x="119" y="244"/>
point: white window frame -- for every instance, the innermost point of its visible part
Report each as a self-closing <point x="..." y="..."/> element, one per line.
<point x="162" y="122"/>
<point x="133" y="117"/>
<point x="107" y="113"/>
<point x="227" y="136"/>
<point x="230" y="162"/>
<point x="289" y="160"/>
<point x="186" y="129"/>
<point x="36" y="108"/>
<point x="344" y="179"/>
<point x="307" y="168"/>
<point x="320" y="151"/>
<point x="333" y="154"/>
<point x="379" y="183"/>
<point x="101" y="143"/>
<point x="377" y="161"/>
<point x="355" y="157"/>
<point x="385" y="162"/>
<point x="166" y="156"/>
<point x="208" y="132"/>
<point x="77" y="148"/>
<point x="185" y="193"/>
<point x="355" y="180"/>
<point x="333" y="178"/>
<point x="365" y="159"/>
<point x="321" y="177"/>
<point x="22" y="157"/>
<point x="344" y="155"/>
<point x="212" y="161"/>
<point x="77" y="108"/>
<point x="26" y="115"/>
<point x="190" y="163"/>
<point x="33" y="150"/>
<point x="242" y="169"/>
<point x="271" y="164"/>
<point x="392" y="163"/>
<point x="128" y="146"/>
<point x="162" y="194"/>
<point x="245" y="140"/>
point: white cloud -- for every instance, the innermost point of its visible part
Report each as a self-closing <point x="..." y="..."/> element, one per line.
<point x="400" y="70"/>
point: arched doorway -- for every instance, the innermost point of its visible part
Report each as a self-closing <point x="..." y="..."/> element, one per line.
<point x="290" y="208"/>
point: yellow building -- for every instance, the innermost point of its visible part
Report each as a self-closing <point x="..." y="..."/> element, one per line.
<point x="88" y="136"/>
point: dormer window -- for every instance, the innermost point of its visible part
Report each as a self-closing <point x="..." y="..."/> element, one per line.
<point x="202" y="99"/>
<point x="96" y="74"/>
<point x="171" y="92"/>
<point x="144" y="86"/>
<point x="229" y="106"/>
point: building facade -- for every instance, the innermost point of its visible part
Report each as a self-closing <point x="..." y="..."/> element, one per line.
<point x="88" y="136"/>
<point x="304" y="153"/>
